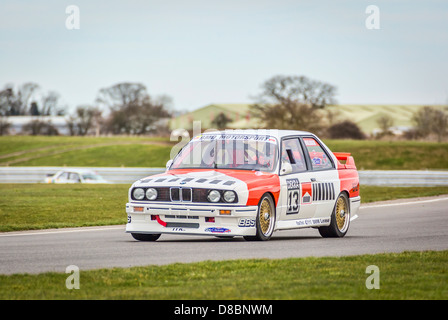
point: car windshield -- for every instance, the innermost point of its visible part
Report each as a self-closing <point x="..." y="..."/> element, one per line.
<point x="229" y="151"/>
<point x="91" y="176"/>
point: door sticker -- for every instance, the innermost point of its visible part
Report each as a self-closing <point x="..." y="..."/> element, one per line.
<point x="293" y="200"/>
<point x="306" y="192"/>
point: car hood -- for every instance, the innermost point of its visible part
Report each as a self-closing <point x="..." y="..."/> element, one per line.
<point x="249" y="185"/>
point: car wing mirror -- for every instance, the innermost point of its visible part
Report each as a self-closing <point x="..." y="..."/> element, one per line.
<point x="286" y="168"/>
<point x="168" y="164"/>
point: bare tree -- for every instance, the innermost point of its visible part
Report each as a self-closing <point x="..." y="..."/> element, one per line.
<point x="430" y="120"/>
<point x="4" y="126"/>
<point x="221" y="121"/>
<point x="295" y="116"/>
<point x="385" y="122"/>
<point x="85" y="119"/>
<point x="132" y="111"/>
<point x="24" y="101"/>
<point x="293" y="102"/>
<point x="298" y="89"/>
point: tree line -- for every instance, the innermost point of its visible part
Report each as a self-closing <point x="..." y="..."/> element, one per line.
<point x="285" y="102"/>
<point x="123" y="108"/>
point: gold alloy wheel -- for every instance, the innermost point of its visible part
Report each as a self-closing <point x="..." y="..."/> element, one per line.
<point x="342" y="214"/>
<point x="265" y="216"/>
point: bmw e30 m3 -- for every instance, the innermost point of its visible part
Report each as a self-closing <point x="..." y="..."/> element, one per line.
<point x="247" y="183"/>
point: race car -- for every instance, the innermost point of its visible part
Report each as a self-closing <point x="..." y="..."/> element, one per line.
<point x="247" y="183"/>
<point x="75" y="176"/>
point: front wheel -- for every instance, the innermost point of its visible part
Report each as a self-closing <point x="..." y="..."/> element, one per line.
<point x="145" y="236"/>
<point x="265" y="221"/>
<point x="340" y="219"/>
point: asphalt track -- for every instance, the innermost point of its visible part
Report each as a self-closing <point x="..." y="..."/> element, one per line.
<point x="394" y="226"/>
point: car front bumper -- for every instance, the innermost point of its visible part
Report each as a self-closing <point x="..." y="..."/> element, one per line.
<point x="196" y="219"/>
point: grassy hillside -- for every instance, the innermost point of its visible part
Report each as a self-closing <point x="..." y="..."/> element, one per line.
<point x="365" y="116"/>
<point x="394" y="155"/>
<point x="84" y="151"/>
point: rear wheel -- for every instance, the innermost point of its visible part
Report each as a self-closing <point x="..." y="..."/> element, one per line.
<point x="145" y="236"/>
<point x="340" y="219"/>
<point x="265" y="220"/>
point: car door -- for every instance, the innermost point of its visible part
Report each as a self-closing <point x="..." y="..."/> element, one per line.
<point x="324" y="177"/>
<point x="74" y="178"/>
<point x="62" y="178"/>
<point x="296" y="192"/>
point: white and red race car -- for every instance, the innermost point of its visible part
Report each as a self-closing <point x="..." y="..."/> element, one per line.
<point x="247" y="183"/>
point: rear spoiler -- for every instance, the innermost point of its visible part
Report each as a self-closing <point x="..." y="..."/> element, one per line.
<point x="349" y="162"/>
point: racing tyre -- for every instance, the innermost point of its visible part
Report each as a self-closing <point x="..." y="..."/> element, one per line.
<point x="340" y="219"/>
<point x="145" y="236"/>
<point x="265" y="221"/>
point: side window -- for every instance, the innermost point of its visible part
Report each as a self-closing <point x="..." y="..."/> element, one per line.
<point x="74" y="177"/>
<point x="319" y="159"/>
<point x="63" y="176"/>
<point x="292" y="153"/>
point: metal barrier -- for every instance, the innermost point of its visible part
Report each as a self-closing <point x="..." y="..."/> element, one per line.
<point x="129" y="175"/>
<point x="38" y="174"/>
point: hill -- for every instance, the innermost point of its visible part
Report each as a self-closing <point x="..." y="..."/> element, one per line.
<point x="365" y="116"/>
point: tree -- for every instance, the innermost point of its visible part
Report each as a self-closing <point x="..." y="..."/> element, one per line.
<point x="4" y="126"/>
<point x="221" y="121"/>
<point x="24" y="101"/>
<point x="132" y="110"/>
<point x="85" y="118"/>
<point x="385" y="122"/>
<point x="293" y="102"/>
<point x="346" y="130"/>
<point x="430" y="120"/>
<point x="39" y="127"/>
<point x="297" y="89"/>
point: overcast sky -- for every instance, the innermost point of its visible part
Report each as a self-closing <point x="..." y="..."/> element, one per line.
<point x="202" y="52"/>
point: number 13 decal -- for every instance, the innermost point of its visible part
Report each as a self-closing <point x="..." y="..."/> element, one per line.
<point x="293" y="196"/>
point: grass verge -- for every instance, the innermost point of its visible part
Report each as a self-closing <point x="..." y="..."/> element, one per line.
<point x="407" y="275"/>
<point x="44" y="206"/>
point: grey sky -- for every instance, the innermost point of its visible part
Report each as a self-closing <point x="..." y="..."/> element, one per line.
<point x="201" y="52"/>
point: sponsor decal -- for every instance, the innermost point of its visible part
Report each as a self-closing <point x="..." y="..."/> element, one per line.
<point x="307" y="192"/>
<point x="310" y="142"/>
<point x="311" y="222"/>
<point x="217" y="230"/>
<point x="293" y="186"/>
<point x="246" y="222"/>
<point x="248" y="137"/>
<point x="317" y="161"/>
<point x="323" y="191"/>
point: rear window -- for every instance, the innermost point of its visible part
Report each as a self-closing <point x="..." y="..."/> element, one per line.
<point x="319" y="158"/>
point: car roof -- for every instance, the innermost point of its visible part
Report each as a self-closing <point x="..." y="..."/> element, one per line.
<point x="77" y="170"/>
<point x="272" y="132"/>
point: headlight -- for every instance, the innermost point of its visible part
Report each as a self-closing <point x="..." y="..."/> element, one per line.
<point x="138" y="194"/>
<point x="214" y="196"/>
<point x="151" y="194"/>
<point x="229" y="196"/>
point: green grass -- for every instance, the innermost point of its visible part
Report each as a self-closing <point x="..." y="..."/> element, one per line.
<point x="154" y="152"/>
<point x="84" y="151"/>
<point x="394" y="155"/>
<point x="408" y="275"/>
<point x="43" y="206"/>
